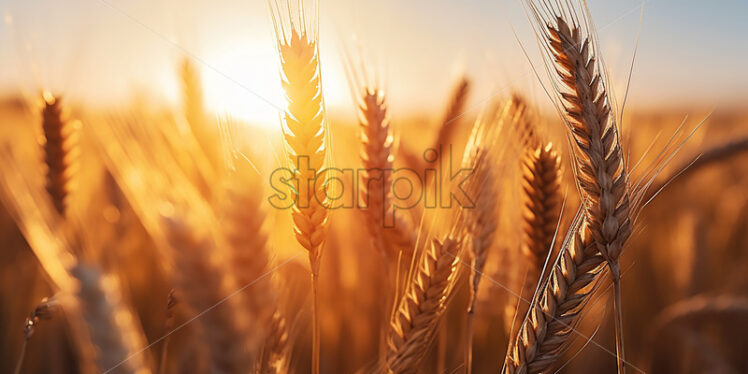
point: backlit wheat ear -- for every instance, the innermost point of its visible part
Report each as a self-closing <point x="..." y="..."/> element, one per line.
<point x="414" y="323"/>
<point x="59" y="143"/>
<point x="110" y="324"/>
<point x="306" y="136"/>
<point x="205" y="287"/>
<point x="388" y="227"/>
<point x="304" y="120"/>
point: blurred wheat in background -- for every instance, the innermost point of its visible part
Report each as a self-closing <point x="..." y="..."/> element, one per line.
<point x="172" y="236"/>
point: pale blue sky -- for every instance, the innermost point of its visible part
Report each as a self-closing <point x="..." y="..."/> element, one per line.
<point x="692" y="52"/>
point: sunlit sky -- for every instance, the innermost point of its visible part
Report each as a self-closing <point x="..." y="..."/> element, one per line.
<point x="108" y="51"/>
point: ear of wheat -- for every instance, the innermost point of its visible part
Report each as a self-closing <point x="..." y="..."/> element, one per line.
<point x="541" y="199"/>
<point x="307" y="138"/>
<point x="376" y="181"/>
<point x="540" y="174"/>
<point x="554" y="312"/>
<point x="600" y="164"/>
<point x="59" y="143"/>
<point x="418" y="314"/>
<point x="305" y="121"/>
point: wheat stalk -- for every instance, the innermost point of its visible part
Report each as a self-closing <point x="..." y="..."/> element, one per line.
<point x="307" y="139"/>
<point x="413" y="324"/>
<point x="376" y="180"/>
<point x="111" y="325"/>
<point x="206" y="287"/>
<point x="59" y="145"/>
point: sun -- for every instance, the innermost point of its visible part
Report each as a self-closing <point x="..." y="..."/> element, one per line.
<point x="244" y="82"/>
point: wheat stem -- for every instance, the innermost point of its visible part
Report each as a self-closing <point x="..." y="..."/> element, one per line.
<point x="618" y="306"/>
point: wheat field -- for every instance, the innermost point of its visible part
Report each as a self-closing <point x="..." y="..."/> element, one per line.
<point x="545" y="232"/>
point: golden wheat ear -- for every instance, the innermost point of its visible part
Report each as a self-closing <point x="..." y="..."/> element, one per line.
<point x="306" y="136"/>
<point x="305" y="131"/>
